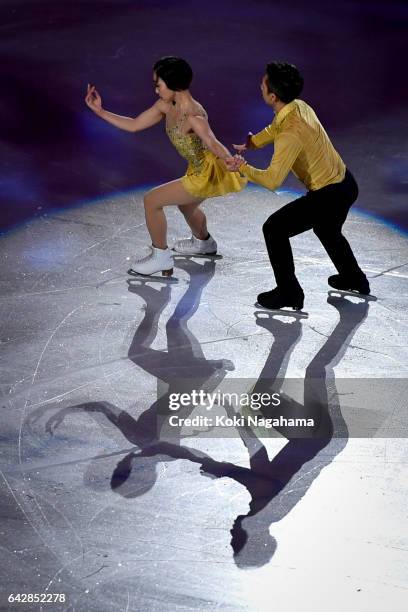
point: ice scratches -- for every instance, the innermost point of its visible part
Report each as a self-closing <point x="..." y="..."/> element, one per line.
<point x="299" y="478"/>
<point x="109" y="238"/>
<point x="388" y="546"/>
<point x="58" y="572"/>
<point x="306" y="259"/>
<point x="130" y="492"/>
<point x="205" y="342"/>
<point x="390" y="273"/>
<point x="37" y="468"/>
<point x="216" y="297"/>
<point x="263" y="261"/>
<point x="245" y="318"/>
<point x="26" y="482"/>
<point x="228" y="338"/>
<point x="67" y="521"/>
<point x="210" y="310"/>
<point x="41" y="279"/>
<point x="192" y="496"/>
<point x="51" y="336"/>
<point x="227" y="325"/>
<point x="65" y="289"/>
<point x="169" y="546"/>
<point x="204" y="561"/>
<point x="384" y="272"/>
<point x="58" y="397"/>
<point x="18" y="382"/>
<point x="106" y="376"/>
<point x="95" y="572"/>
<point x="12" y="552"/>
<point x="354" y="346"/>
<point x="98" y="513"/>
<point x="25" y="514"/>
<point x="392" y="310"/>
<point x="58" y="218"/>
<point x="118" y="361"/>
<point x="247" y="262"/>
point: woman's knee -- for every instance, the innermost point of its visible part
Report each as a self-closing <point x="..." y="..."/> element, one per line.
<point x="146" y="199"/>
<point x="150" y="201"/>
<point x="188" y="209"/>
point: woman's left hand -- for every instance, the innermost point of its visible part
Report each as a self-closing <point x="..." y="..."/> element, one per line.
<point x="93" y="99"/>
<point x="233" y="163"/>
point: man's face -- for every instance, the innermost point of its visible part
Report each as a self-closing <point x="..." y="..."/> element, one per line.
<point x="267" y="96"/>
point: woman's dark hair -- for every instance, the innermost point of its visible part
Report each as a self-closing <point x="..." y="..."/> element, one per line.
<point x="284" y="80"/>
<point x="175" y="72"/>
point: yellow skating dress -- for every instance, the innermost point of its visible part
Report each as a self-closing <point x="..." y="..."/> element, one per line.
<point x="206" y="175"/>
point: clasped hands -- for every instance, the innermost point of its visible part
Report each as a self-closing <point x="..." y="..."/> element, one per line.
<point x="234" y="163"/>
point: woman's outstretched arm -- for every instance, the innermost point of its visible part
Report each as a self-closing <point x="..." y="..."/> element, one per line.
<point x="149" y="117"/>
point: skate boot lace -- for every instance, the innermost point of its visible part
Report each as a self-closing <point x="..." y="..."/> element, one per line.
<point x="187" y="242"/>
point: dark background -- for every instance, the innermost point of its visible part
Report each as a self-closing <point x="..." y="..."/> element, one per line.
<point x="55" y="153"/>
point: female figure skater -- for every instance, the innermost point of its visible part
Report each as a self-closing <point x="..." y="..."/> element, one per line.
<point x="207" y="176"/>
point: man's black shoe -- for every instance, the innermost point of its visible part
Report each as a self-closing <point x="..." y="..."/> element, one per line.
<point x="361" y="285"/>
<point x="276" y="299"/>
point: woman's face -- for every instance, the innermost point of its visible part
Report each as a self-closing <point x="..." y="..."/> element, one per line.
<point x="162" y="90"/>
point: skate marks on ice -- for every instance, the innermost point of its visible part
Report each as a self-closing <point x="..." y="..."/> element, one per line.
<point x="276" y="485"/>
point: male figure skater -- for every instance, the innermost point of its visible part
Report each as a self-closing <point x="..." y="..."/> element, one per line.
<point x="301" y="145"/>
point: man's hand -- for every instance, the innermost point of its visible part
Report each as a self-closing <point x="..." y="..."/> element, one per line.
<point x="93" y="99"/>
<point x="233" y="163"/>
<point x="247" y="145"/>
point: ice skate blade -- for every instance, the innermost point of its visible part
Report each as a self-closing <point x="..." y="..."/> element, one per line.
<point x="198" y="255"/>
<point x="286" y="310"/>
<point x="137" y="280"/>
<point x="164" y="273"/>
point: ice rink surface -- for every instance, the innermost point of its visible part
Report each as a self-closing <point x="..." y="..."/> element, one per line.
<point x="94" y="504"/>
<point x="96" y="507"/>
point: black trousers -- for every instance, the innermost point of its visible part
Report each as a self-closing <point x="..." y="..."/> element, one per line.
<point x="324" y="211"/>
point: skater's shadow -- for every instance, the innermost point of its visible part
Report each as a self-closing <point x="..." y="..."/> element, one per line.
<point x="183" y="358"/>
<point x="276" y="486"/>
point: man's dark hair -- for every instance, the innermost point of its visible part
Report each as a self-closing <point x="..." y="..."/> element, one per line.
<point x="175" y="72"/>
<point x="284" y="80"/>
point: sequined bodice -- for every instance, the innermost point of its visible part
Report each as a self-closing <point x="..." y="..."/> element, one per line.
<point x="189" y="146"/>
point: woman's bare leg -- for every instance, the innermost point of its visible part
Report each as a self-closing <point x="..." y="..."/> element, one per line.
<point x="196" y="219"/>
<point x="170" y="194"/>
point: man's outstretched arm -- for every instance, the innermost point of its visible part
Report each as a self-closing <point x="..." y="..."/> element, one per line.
<point x="259" y="140"/>
<point x="264" y="137"/>
<point x="287" y="149"/>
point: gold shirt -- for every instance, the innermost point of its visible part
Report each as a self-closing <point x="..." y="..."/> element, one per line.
<point x="301" y="145"/>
